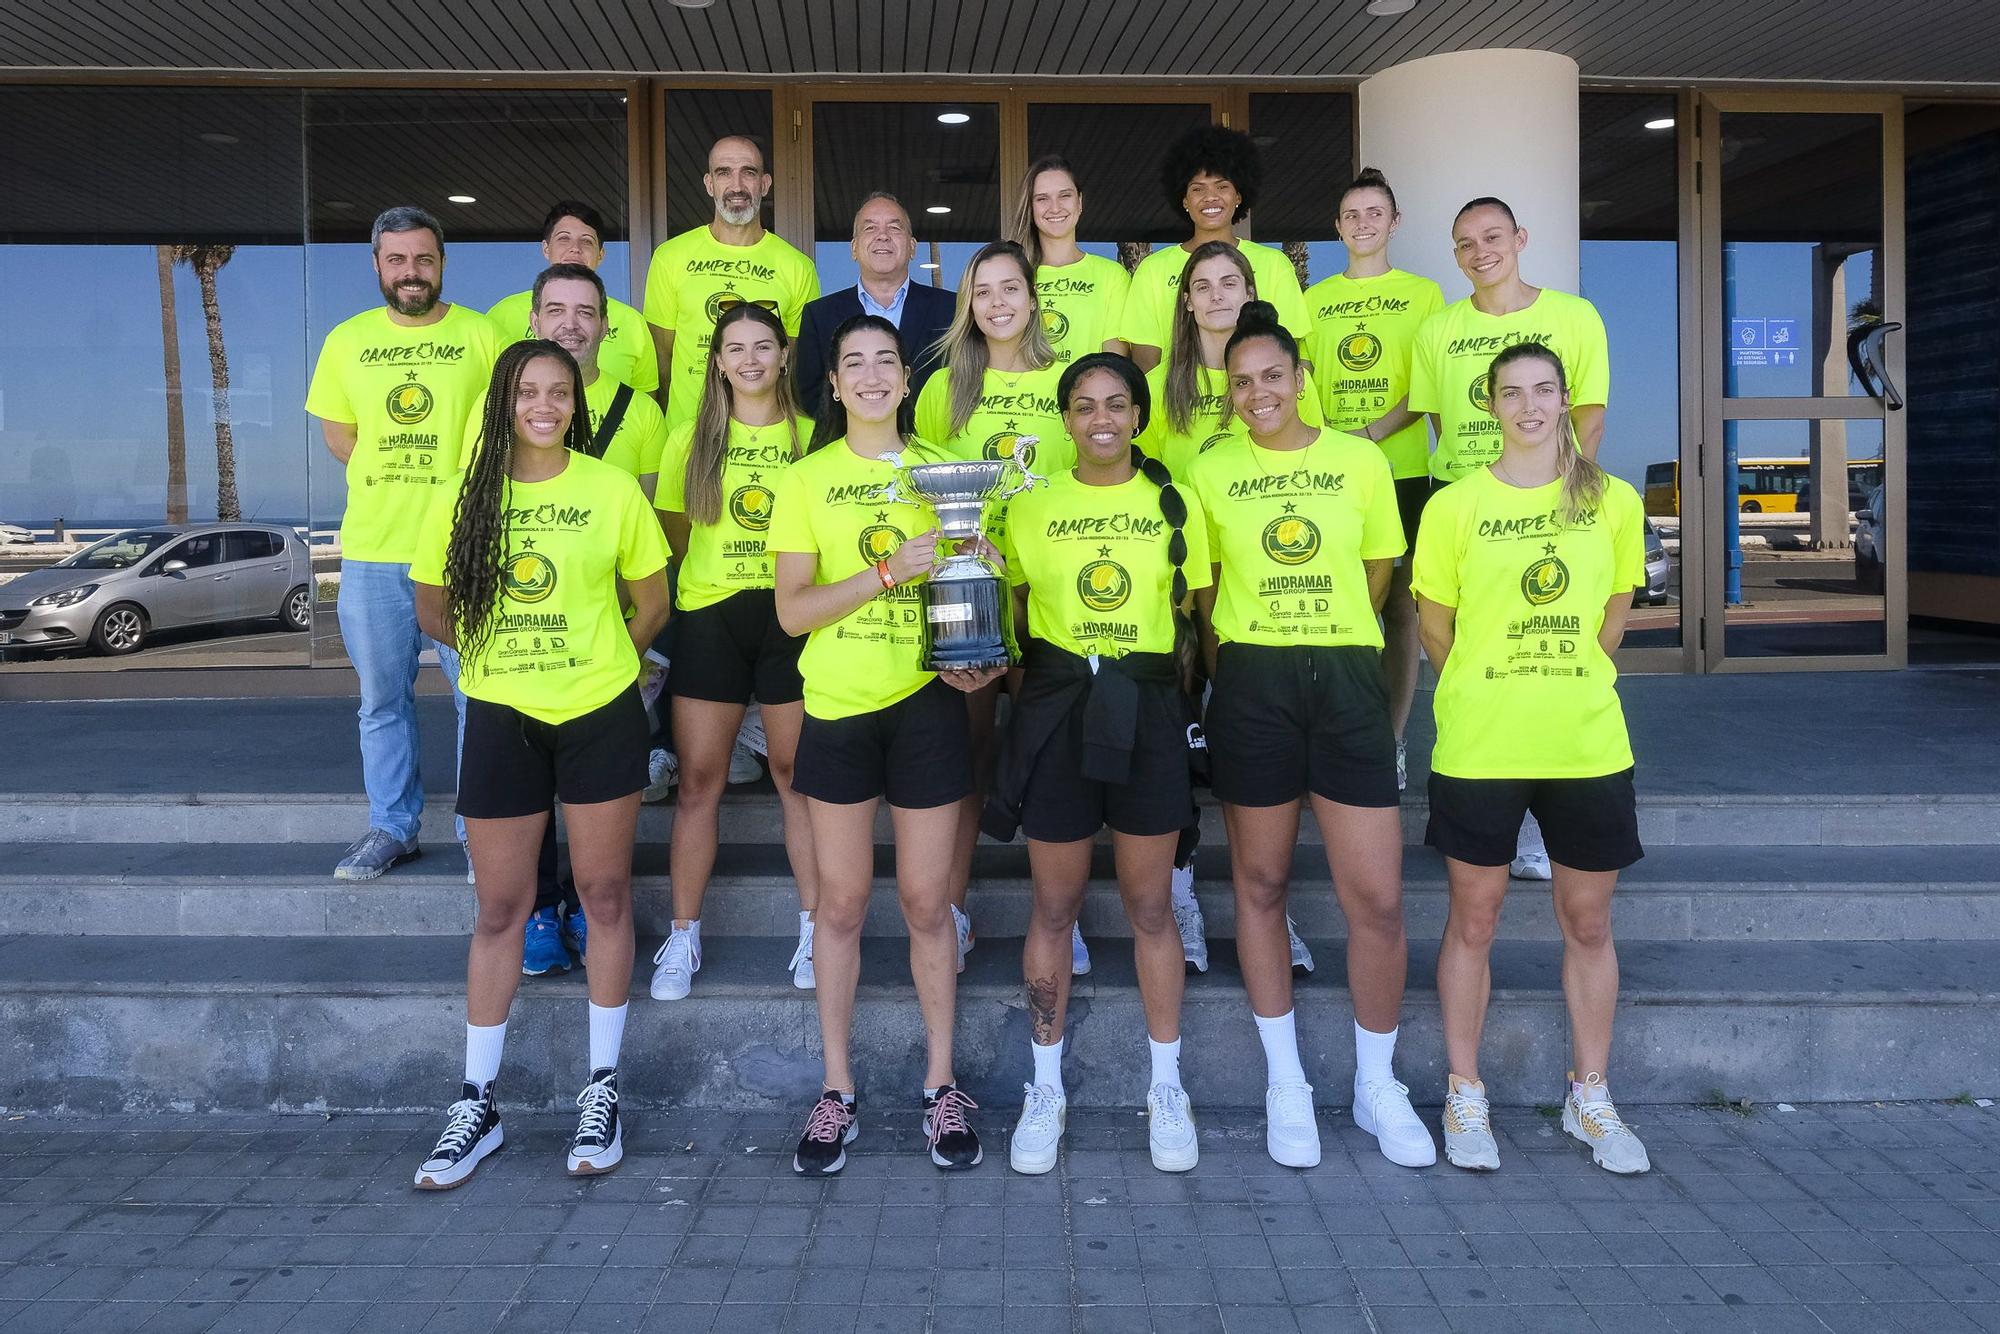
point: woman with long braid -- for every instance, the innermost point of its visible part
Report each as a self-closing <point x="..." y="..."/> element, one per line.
<point x="1102" y="561"/>
<point x="524" y="569"/>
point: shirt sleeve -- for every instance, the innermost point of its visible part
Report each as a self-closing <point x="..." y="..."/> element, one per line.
<point x="642" y="547"/>
<point x="1288" y="297"/>
<point x="1434" y="569"/>
<point x="670" y="491"/>
<point x="1139" y="319"/>
<point x="326" y="397"/>
<point x="791" y="516"/>
<point x="934" y="409"/>
<point x="434" y="535"/>
<point x="1424" y="369"/>
<point x="1628" y="535"/>
<point x="645" y="365"/>
<point x="1382" y="524"/>
<point x="1010" y="549"/>
<point x="805" y="289"/>
<point x="1199" y="567"/>
<point x="474" y="423"/>
<point x="662" y="302"/>
<point x="1590" y="377"/>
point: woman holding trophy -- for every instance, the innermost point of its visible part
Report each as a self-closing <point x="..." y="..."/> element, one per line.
<point x="1102" y="560"/>
<point x="851" y="554"/>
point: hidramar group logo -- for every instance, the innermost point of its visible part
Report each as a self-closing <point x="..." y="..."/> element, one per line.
<point x="750" y="506"/>
<point x="529" y="576"/>
<point x="1359" y="350"/>
<point x="879" y="541"/>
<point x="1545" y="580"/>
<point x="1103" y="585"/>
<point x="1291" y="539"/>
<point x="409" y="403"/>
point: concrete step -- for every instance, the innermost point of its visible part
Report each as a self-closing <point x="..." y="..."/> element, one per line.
<point x="1911" y="817"/>
<point x="106" y="1024"/>
<point x="1674" y="894"/>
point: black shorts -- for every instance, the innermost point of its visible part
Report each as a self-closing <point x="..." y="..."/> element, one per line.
<point x="514" y="765"/>
<point x="1062" y="806"/>
<point x="917" y="753"/>
<point x="1283" y="722"/>
<point x="1589" y="824"/>
<point x="732" y="650"/>
<point x="1412" y="494"/>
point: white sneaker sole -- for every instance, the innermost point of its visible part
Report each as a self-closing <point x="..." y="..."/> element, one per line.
<point x="1291" y="1155"/>
<point x="1574" y="1130"/>
<point x="1175" y="1158"/>
<point x="1402" y="1155"/>
<point x="601" y="1161"/>
<point x="1029" y="1164"/>
<point x="672" y="987"/>
<point x="456" y="1174"/>
<point x="1485" y="1162"/>
<point x="804" y="979"/>
<point x="839" y="1159"/>
<point x="361" y="873"/>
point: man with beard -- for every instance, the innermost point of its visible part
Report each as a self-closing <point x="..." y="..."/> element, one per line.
<point x="704" y="271"/>
<point x="392" y="389"/>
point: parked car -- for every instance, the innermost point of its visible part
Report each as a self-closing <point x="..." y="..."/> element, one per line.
<point x="114" y="594"/>
<point x="1659" y="566"/>
<point x="12" y="534"/>
<point x="1868" y="554"/>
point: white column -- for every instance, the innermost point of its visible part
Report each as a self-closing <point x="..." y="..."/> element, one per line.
<point x="1450" y="128"/>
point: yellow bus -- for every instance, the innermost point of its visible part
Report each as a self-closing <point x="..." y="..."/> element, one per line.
<point x="1763" y="486"/>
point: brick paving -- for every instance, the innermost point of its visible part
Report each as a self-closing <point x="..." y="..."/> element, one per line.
<point x="1845" y="1218"/>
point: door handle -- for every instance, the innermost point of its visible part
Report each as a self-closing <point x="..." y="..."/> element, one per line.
<point x="1864" y="355"/>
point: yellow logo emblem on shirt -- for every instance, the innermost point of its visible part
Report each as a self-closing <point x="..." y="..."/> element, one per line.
<point x="879" y="541"/>
<point x="1475" y="393"/>
<point x="1103" y="585"/>
<point x="1359" y="350"/>
<point x="1546" y="580"/>
<point x="1054" y="324"/>
<point x="529" y="576"/>
<point x="409" y="403"/>
<point x="1291" y="539"/>
<point x="1001" y="446"/>
<point x="750" y="506"/>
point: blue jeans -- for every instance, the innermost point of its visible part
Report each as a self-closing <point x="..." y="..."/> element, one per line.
<point x="378" y="622"/>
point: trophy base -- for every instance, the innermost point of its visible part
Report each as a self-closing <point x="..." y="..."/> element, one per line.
<point x="973" y="661"/>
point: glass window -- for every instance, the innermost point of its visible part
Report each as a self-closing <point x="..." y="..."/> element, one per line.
<point x="696" y="118"/>
<point x="252" y="544"/>
<point x="1115" y="148"/>
<point x="1306" y="141"/>
<point x="196" y="552"/>
<point x="946" y="172"/>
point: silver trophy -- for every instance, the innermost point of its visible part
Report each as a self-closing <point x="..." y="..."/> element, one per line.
<point x="966" y="605"/>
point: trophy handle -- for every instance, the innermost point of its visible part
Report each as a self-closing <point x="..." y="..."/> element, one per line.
<point x="1029" y="478"/>
<point x="892" y="491"/>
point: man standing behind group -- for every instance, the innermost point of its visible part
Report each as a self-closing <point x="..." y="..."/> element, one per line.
<point x="730" y="259"/>
<point x="392" y="389"/>
<point x="884" y="245"/>
<point x="573" y="233"/>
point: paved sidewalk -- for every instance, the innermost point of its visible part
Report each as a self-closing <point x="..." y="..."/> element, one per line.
<point x="1858" y="1218"/>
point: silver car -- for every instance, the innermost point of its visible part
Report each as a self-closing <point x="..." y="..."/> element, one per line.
<point x="115" y="593"/>
<point x="1659" y="566"/>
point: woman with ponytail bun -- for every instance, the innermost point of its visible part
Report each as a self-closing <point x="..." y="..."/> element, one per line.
<point x="1304" y="530"/>
<point x="1103" y="560"/>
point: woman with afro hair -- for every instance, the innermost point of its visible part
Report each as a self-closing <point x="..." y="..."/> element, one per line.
<point x="1212" y="175"/>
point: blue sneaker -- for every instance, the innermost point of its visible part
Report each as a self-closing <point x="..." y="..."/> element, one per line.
<point x="576" y="932"/>
<point x="542" y="950"/>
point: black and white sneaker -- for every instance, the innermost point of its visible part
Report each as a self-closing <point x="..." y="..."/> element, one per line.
<point x="833" y="1125"/>
<point x="471" y="1131"/>
<point x="599" y="1144"/>
<point x="954" y="1146"/>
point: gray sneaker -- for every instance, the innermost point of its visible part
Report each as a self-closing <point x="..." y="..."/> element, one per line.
<point x="373" y="853"/>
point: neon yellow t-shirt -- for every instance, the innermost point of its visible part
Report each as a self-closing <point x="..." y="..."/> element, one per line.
<point x="406" y="390"/>
<point x="830" y="506"/>
<point x="1095" y="561"/>
<point x="1290" y="531"/>
<point x="1148" y="318"/>
<point x="626" y="354"/>
<point x="1527" y="692"/>
<point x="1455" y="347"/>
<point x="1080" y="304"/>
<point x="693" y="278"/>
<point x="633" y="449"/>
<point x="1013" y="403"/>
<point x="1364" y="330"/>
<point x="1179" y="450"/>
<point x="559" y="646"/>
<point x="729" y="555"/>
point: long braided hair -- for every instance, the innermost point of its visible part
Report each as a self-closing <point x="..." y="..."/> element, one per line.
<point x="1173" y="505"/>
<point x="710" y="446"/>
<point x="476" y="559"/>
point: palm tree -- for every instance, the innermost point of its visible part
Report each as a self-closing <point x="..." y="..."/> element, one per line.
<point x="170" y="345"/>
<point x="207" y="261"/>
<point x="1295" y="251"/>
<point x="1131" y="252"/>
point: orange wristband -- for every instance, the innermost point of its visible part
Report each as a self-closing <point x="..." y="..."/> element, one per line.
<point x="882" y="573"/>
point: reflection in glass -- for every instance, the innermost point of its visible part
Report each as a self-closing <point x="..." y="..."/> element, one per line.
<point x="929" y="165"/>
<point x="695" y="119"/>
<point x="1307" y="144"/>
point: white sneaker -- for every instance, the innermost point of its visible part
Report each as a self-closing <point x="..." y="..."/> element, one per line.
<point x="1592" y="1119"/>
<point x="663" y="771"/>
<point x="801" y="966"/>
<point x="1382" y="1108"/>
<point x="675" y="964"/>
<point x="963" y="926"/>
<point x="1402" y="766"/>
<point x="1031" y="1150"/>
<point x="744" y="766"/>
<point x="1468" y="1126"/>
<point x="1079" y="953"/>
<point x="467" y="849"/>
<point x="1531" y="866"/>
<point x="1302" y="958"/>
<point x="1188" y="920"/>
<point x="1170" y="1129"/>
<point x="1291" y="1133"/>
<point x="751" y="733"/>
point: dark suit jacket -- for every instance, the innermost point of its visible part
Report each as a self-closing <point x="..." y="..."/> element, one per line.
<point x="926" y="315"/>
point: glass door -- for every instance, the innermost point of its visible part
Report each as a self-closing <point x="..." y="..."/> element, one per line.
<point x="1801" y="466"/>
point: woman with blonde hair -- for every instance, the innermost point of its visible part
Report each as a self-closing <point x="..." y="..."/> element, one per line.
<point x="1081" y="294"/>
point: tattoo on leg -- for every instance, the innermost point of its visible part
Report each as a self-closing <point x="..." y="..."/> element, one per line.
<point x="1042" y="1009"/>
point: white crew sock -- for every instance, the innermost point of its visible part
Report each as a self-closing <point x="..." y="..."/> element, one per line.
<point x="1166" y="1063"/>
<point x="482" y="1052"/>
<point x="1281" y="1049"/>
<point x="607" y="1035"/>
<point x="1374" y="1055"/>
<point x="1048" y="1064"/>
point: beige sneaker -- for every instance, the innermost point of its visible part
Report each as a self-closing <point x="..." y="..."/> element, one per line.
<point x="1591" y="1118"/>
<point x="1468" y="1126"/>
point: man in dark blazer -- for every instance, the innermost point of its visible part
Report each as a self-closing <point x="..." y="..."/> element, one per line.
<point x="883" y="248"/>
